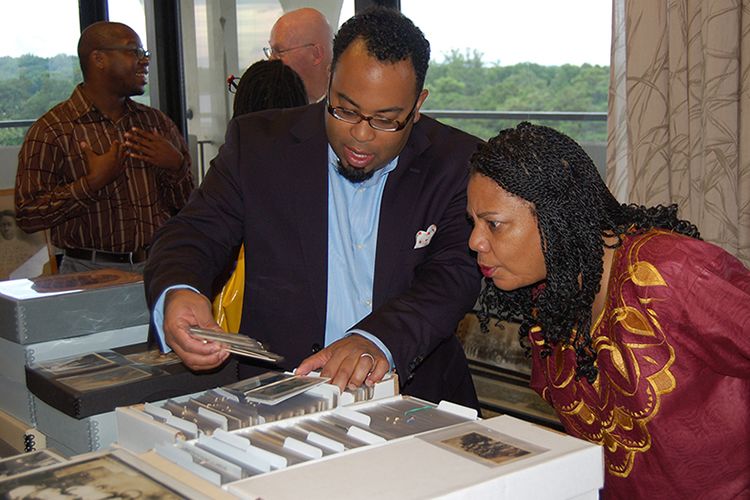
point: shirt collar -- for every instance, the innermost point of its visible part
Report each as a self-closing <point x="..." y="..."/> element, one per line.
<point x="83" y="106"/>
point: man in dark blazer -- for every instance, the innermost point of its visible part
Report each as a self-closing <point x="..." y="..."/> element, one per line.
<point x="277" y="186"/>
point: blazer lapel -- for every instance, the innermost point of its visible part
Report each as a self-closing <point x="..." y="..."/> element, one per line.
<point x="307" y="159"/>
<point x="395" y="233"/>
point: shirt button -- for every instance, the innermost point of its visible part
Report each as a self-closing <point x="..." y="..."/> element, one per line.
<point x="360" y="246"/>
<point x="367" y="302"/>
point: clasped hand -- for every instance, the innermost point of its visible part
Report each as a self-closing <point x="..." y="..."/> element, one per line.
<point x="154" y="148"/>
<point x="141" y="144"/>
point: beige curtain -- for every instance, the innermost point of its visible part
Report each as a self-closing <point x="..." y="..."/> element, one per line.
<point x="679" y="112"/>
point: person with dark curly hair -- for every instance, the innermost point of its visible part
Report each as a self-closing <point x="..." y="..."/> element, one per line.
<point x="639" y="332"/>
<point x="268" y="84"/>
<point x="352" y="213"/>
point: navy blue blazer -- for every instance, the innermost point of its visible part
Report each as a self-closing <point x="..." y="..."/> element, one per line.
<point x="268" y="188"/>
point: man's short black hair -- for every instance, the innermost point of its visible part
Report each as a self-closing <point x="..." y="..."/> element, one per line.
<point x="389" y="36"/>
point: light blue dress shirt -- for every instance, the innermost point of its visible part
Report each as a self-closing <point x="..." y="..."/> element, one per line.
<point x="353" y="219"/>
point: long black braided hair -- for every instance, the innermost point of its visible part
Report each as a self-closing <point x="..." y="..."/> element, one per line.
<point x="575" y="212"/>
<point x="266" y="85"/>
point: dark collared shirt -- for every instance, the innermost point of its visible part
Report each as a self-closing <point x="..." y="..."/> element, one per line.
<point x="51" y="191"/>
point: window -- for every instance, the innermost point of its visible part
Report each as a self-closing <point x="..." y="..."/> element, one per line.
<point x="222" y="39"/>
<point x="542" y="56"/>
<point x="38" y="62"/>
<point x="132" y="13"/>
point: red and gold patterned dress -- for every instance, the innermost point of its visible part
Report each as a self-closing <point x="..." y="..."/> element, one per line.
<point x="671" y="404"/>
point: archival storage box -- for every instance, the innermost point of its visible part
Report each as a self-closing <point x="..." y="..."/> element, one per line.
<point x="17" y="400"/>
<point x="69" y="305"/>
<point x="98" y="382"/>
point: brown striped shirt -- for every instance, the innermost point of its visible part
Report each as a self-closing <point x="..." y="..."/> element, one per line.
<point x="122" y="216"/>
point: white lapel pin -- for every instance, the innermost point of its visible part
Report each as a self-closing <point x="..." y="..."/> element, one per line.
<point x="424" y="237"/>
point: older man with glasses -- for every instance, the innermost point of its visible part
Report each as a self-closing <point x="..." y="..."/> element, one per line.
<point x="100" y="170"/>
<point x="303" y="39"/>
<point x="352" y="212"/>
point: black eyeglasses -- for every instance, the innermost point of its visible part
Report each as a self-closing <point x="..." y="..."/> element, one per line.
<point x="139" y="52"/>
<point x="232" y="83"/>
<point x="271" y="52"/>
<point x="382" y="124"/>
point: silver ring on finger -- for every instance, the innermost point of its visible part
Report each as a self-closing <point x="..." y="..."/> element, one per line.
<point x="368" y="355"/>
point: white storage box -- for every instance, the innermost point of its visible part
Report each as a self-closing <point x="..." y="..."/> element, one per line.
<point x="415" y="467"/>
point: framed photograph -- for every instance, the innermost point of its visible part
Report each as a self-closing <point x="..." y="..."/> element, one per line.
<point x="499" y="348"/>
<point x="110" y="475"/>
<point x="28" y="461"/>
<point x="501" y="372"/>
<point x="482" y="444"/>
<point x="509" y="396"/>
<point x="21" y="255"/>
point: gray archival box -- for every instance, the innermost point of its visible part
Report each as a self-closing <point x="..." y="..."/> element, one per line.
<point x="69" y="305"/>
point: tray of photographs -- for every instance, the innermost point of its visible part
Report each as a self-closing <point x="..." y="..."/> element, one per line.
<point x="223" y="457"/>
<point x="226" y="408"/>
<point x="238" y="344"/>
<point x="97" y="382"/>
<point x="116" y="474"/>
<point x="229" y="408"/>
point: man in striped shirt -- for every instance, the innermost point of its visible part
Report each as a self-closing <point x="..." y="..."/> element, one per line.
<point x="99" y="170"/>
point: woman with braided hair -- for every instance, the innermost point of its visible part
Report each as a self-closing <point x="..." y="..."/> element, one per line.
<point x="639" y="332"/>
<point x="268" y="84"/>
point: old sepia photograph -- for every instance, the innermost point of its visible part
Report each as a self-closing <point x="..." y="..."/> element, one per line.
<point x="77" y="364"/>
<point x="101" y="477"/>
<point x="483" y="445"/>
<point x="105" y="378"/>
<point x="152" y="357"/>
<point x="18" y="250"/>
<point x="28" y="461"/>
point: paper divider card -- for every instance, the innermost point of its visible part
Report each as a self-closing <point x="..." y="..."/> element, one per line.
<point x="230" y="452"/>
<point x="321" y="440"/>
<point x="185" y="460"/>
<point x="303" y="448"/>
<point x="363" y="435"/>
<point x="353" y="415"/>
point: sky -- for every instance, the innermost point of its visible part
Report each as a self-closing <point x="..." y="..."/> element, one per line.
<point x="547" y="32"/>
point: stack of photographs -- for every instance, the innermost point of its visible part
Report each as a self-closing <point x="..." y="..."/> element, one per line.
<point x="98" y="370"/>
<point x="238" y="344"/>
